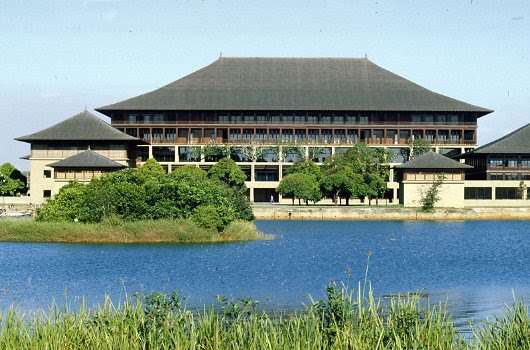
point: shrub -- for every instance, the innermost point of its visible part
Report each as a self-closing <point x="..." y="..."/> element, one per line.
<point x="148" y="193"/>
<point x="227" y="171"/>
<point x="212" y="217"/>
<point x="66" y="205"/>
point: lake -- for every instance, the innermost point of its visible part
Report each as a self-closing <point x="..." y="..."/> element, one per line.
<point x="476" y="266"/>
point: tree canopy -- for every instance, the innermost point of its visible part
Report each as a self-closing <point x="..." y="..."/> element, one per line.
<point x="227" y="171"/>
<point x="149" y="193"/>
<point x="12" y="181"/>
<point x="362" y="172"/>
<point x="300" y="186"/>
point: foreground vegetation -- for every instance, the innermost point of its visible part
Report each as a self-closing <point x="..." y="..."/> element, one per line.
<point x="116" y="231"/>
<point x="341" y="321"/>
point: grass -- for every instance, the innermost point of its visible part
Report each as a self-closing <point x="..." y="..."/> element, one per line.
<point x="342" y="321"/>
<point x="155" y="231"/>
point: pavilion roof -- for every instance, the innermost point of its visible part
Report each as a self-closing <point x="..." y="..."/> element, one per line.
<point x="83" y="126"/>
<point x="432" y="160"/>
<point x="87" y="160"/>
<point x="340" y="84"/>
<point x="516" y="142"/>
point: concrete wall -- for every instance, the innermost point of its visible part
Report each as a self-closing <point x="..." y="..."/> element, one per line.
<point x="451" y="193"/>
<point x="494" y="202"/>
<point x="39" y="183"/>
<point x="284" y="212"/>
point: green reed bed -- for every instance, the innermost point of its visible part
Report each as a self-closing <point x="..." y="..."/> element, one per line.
<point x="117" y="231"/>
<point x="341" y="321"/>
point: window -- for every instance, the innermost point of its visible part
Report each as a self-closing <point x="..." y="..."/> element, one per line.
<point x="190" y="154"/>
<point x="47" y="193"/>
<point x="477" y="193"/>
<point x="452" y="119"/>
<point x="164" y="154"/>
<point x="47" y="174"/>
<point x="508" y="193"/>
<point x="325" y="119"/>
<point x="363" y="119"/>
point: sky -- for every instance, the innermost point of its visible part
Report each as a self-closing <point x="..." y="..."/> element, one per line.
<point x="58" y="57"/>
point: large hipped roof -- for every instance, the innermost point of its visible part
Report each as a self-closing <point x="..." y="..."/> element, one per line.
<point x="432" y="160"/>
<point x="347" y="84"/>
<point x="84" y="126"/>
<point x="87" y="160"/>
<point x="516" y="142"/>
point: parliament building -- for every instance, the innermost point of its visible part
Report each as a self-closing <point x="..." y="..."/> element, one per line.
<point x="265" y="113"/>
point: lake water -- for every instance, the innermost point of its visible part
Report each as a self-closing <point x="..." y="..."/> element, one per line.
<point x="476" y="266"/>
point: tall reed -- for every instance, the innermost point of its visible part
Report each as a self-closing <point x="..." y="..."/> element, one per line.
<point x="343" y="320"/>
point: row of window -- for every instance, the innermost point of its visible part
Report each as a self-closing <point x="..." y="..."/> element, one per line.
<point x="326" y="135"/>
<point x="508" y="176"/>
<point x="514" y="162"/>
<point x="500" y="193"/>
<point x="242" y="154"/>
<point x="299" y="118"/>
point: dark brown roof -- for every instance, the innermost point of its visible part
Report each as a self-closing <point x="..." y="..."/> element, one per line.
<point x="84" y="126"/>
<point x="516" y="142"/>
<point x="87" y="160"/>
<point x="432" y="160"/>
<point x="348" y="84"/>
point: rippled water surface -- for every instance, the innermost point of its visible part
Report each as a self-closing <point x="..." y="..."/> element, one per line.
<point x="476" y="266"/>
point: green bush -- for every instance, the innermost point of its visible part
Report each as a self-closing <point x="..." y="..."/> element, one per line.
<point x="147" y="193"/>
<point x="66" y="205"/>
<point x="212" y="217"/>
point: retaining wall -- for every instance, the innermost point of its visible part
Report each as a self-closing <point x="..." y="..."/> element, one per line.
<point x="283" y="212"/>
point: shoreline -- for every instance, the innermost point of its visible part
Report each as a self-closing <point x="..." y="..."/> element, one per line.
<point x="136" y="232"/>
<point x="366" y="213"/>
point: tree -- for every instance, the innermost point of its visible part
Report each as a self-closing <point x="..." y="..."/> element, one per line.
<point x="227" y="171"/>
<point x="189" y="173"/>
<point x="149" y="193"/>
<point x="65" y="205"/>
<point x="12" y="182"/>
<point x="360" y="172"/>
<point x="305" y="167"/>
<point x="151" y="168"/>
<point x="214" y="153"/>
<point x="300" y="186"/>
<point x="418" y="146"/>
<point x="429" y="198"/>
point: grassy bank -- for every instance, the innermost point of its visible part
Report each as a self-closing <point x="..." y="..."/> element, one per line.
<point x="159" y="231"/>
<point x="340" y="322"/>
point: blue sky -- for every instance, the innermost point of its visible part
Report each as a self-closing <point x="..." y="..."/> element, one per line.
<point x="57" y="57"/>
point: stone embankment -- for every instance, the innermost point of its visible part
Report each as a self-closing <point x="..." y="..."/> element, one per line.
<point x="287" y="212"/>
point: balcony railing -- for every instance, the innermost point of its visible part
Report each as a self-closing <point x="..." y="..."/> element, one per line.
<point x="320" y="140"/>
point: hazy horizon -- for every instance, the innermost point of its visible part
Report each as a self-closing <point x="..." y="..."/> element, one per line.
<point x="59" y="57"/>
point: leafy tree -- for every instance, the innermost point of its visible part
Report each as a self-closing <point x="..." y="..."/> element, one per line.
<point x="213" y="152"/>
<point x="212" y="217"/>
<point x="12" y="182"/>
<point x="307" y="167"/>
<point x="227" y="171"/>
<point x="300" y="186"/>
<point x="65" y="205"/>
<point x="429" y="198"/>
<point x="418" y="146"/>
<point x="148" y="193"/>
<point x="189" y="173"/>
<point x="151" y="168"/>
